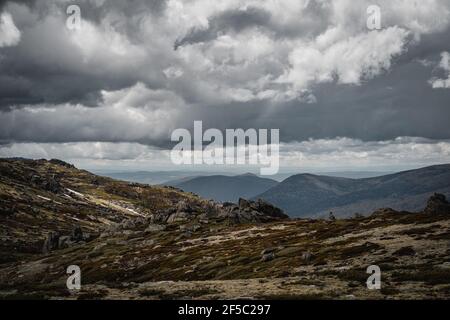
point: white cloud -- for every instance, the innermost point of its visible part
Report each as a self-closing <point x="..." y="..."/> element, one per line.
<point x="342" y="48"/>
<point x="348" y="61"/>
<point x="9" y="34"/>
<point x="444" y="64"/>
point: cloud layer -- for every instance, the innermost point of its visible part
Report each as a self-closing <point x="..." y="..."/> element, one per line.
<point x="320" y="154"/>
<point x="133" y="73"/>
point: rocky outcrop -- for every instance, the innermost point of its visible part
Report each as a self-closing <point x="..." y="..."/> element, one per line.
<point x="251" y="211"/>
<point x="52" y="242"/>
<point x="61" y="163"/>
<point x="155" y="228"/>
<point x="55" y="240"/>
<point x="384" y="211"/>
<point x="437" y="203"/>
<point x="46" y="183"/>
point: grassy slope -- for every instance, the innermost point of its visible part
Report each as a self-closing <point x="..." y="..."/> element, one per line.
<point x="216" y="260"/>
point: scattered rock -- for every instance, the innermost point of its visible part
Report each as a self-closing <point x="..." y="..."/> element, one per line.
<point x="55" y="240"/>
<point x="307" y="257"/>
<point x="331" y="217"/>
<point x="191" y="228"/>
<point x="183" y="206"/>
<point x="77" y="234"/>
<point x="52" y="185"/>
<point x="155" y="228"/>
<point x="268" y="257"/>
<point x="405" y="251"/>
<point x="64" y="242"/>
<point x="52" y="242"/>
<point x="244" y="204"/>
<point x="267" y="250"/>
<point x="178" y="217"/>
<point x="184" y="235"/>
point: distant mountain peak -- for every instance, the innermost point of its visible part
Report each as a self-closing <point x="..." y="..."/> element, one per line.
<point x="308" y="195"/>
<point x="247" y="174"/>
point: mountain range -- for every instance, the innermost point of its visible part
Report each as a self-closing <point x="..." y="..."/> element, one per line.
<point x="307" y="195"/>
<point x="225" y="188"/>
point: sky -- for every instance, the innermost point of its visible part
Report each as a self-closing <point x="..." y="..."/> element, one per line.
<point x="110" y="93"/>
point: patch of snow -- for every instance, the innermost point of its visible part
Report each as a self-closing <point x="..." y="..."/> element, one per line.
<point x="75" y="192"/>
<point x="135" y="212"/>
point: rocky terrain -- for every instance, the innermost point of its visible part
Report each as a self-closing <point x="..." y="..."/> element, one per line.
<point x="134" y="241"/>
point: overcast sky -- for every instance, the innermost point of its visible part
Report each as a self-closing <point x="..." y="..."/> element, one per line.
<point x="109" y="95"/>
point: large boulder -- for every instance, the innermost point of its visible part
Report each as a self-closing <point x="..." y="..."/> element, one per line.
<point x="248" y="211"/>
<point x="178" y="217"/>
<point x="269" y="210"/>
<point x="184" y="206"/>
<point x="437" y="203"/>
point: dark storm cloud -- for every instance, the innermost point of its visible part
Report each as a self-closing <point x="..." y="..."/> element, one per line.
<point x="231" y="20"/>
<point x="46" y="67"/>
<point x="313" y="20"/>
<point x="52" y="88"/>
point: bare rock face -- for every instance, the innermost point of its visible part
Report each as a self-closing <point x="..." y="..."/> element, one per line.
<point x="52" y="242"/>
<point x="247" y="211"/>
<point x="263" y="207"/>
<point x="46" y="183"/>
<point x="178" y="217"/>
<point x="55" y="240"/>
<point x="437" y="204"/>
<point x="64" y="242"/>
<point x="184" y="206"/>
<point x="77" y="234"/>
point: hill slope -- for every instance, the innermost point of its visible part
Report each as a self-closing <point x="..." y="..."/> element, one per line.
<point x="311" y="195"/>
<point x="226" y="188"/>
<point x="52" y="201"/>
<point x="133" y="241"/>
